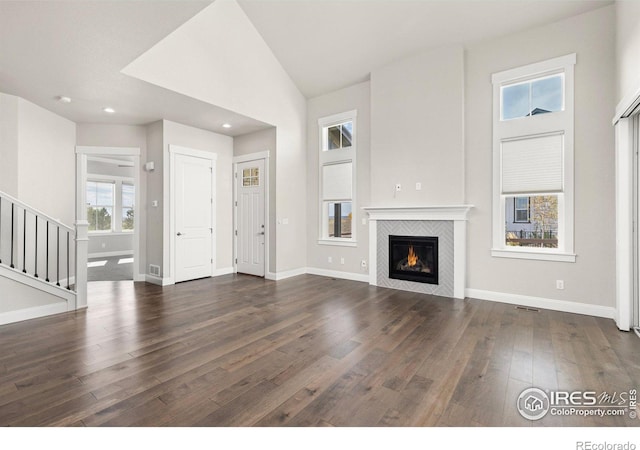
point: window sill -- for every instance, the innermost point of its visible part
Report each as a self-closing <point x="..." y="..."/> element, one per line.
<point x="535" y="255"/>
<point x="110" y="233"/>
<point x="338" y="243"/>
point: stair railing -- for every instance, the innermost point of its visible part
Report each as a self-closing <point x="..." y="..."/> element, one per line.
<point x="37" y="245"/>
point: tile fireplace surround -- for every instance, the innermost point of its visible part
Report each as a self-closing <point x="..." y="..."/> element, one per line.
<point x="448" y="223"/>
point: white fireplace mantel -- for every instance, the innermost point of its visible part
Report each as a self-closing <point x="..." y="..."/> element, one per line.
<point x="455" y="213"/>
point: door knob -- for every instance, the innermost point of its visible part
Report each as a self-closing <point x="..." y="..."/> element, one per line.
<point x="179" y="234"/>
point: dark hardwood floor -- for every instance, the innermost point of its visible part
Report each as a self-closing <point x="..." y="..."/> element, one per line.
<point x="307" y="351"/>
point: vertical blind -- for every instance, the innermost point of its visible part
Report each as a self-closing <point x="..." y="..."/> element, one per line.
<point x="532" y="164"/>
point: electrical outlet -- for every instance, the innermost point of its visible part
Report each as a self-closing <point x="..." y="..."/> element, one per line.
<point x="341" y="260"/>
<point x="363" y="263"/>
<point x="560" y="284"/>
<point x="398" y="187"/>
<point x="330" y="259"/>
<point x="418" y="186"/>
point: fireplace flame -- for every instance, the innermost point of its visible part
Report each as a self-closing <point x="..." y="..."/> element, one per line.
<point x="412" y="259"/>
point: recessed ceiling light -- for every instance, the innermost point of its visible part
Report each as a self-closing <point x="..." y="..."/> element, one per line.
<point x="226" y="125"/>
<point x="109" y="110"/>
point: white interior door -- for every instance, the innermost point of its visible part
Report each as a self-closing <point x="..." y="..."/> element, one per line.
<point x="193" y="217"/>
<point x="250" y="217"/>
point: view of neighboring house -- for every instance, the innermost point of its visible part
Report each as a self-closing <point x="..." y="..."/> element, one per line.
<point x="532" y="221"/>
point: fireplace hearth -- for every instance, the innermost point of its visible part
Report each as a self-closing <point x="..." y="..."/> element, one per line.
<point x="414" y="258"/>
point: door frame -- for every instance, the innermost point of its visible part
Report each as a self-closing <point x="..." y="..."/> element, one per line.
<point x="267" y="232"/>
<point x="81" y="191"/>
<point x="169" y="213"/>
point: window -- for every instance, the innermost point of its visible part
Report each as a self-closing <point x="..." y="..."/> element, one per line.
<point x="529" y="98"/>
<point x="533" y="161"/>
<point x="128" y="201"/>
<point x="110" y="205"/>
<point x="100" y="200"/>
<point x="251" y="177"/>
<point x="521" y="209"/>
<point x="337" y="179"/>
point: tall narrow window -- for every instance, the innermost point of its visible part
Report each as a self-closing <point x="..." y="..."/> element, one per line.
<point x="533" y="161"/>
<point x="128" y="201"/>
<point x="100" y="202"/>
<point x="337" y="178"/>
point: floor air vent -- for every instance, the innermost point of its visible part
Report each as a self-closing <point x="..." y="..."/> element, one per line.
<point x="524" y="308"/>
<point x="154" y="270"/>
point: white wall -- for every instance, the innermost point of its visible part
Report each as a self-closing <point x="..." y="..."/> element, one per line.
<point x="108" y="135"/>
<point x="197" y="139"/>
<point x="46" y="145"/>
<point x="155" y="221"/>
<point x="112" y="244"/>
<point x="591" y="279"/>
<point x="627" y="48"/>
<point x="261" y="141"/>
<point x="219" y="57"/>
<point x="417" y="130"/>
<point x="16" y="296"/>
<point x="356" y="97"/>
<point x="9" y="144"/>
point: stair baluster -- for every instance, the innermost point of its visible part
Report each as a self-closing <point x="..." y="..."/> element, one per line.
<point x="24" y="241"/>
<point x="35" y="266"/>
<point x="68" y="273"/>
<point x="12" y="224"/>
<point x="47" y="265"/>
<point x="58" y="255"/>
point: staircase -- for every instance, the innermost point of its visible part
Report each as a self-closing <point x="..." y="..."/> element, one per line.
<point x="39" y="270"/>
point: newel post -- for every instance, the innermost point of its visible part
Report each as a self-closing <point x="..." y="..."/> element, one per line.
<point x="82" y="249"/>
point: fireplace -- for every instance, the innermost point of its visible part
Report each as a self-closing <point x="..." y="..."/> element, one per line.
<point x="413" y="258"/>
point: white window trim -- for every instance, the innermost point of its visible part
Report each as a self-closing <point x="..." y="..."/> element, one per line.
<point x="333" y="157"/>
<point x="559" y="121"/>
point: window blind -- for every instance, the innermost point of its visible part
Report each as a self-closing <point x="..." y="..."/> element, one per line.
<point x="337" y="181"/>
<point x="532" y="164"/>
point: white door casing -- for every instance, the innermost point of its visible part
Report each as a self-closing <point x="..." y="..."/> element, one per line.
<point x="250" y="217"/>
<point x="193" y="216"/>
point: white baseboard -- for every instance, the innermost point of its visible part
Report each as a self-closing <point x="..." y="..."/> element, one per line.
<point x="110" y="254"/>
<point x="286" y="274"/>
<point x="223" y="271"/>
<point x="543" y="303"/>
<point x="139" y="277"/>
<point x="364" y="278"/>
<point x="316" y="271"/>
<point x="32" y="313"/>
<point x="157" y="280"/>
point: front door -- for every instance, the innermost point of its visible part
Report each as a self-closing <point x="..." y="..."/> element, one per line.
<point x="250" y="217"/>
<point x="193" y="220"/>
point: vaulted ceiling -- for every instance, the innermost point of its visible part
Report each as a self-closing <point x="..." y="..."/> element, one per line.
<point x="77" y="49"/>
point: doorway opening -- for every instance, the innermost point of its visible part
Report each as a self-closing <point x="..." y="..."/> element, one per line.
<point x="108" y="198"/>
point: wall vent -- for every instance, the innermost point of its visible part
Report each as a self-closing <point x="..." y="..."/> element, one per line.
<point x="154" y="270"/>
